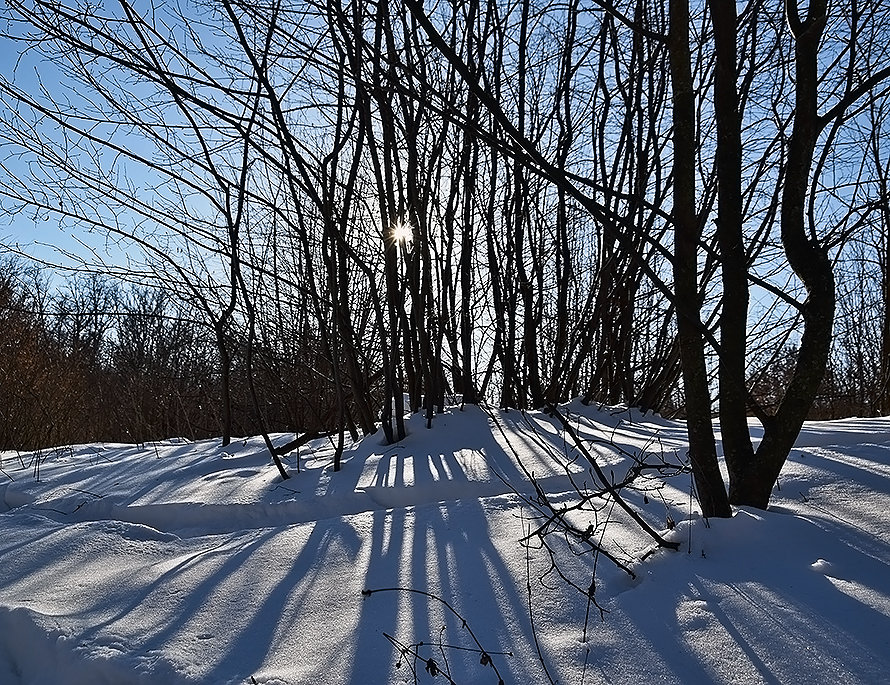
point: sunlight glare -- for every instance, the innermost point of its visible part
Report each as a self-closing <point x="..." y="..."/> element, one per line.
<point x="402" y="232"/>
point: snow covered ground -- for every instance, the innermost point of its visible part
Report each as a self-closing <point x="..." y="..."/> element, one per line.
<point x="179" y="562"/>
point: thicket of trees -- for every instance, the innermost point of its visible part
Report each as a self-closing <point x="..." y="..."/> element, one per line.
<point x="94" y="360"/>
<point x="349" y="203"/>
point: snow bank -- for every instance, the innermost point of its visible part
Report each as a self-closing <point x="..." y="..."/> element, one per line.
<point x="184" y="563"/>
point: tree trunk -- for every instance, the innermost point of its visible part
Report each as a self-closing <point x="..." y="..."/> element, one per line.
<point x="702" y="448"/>
<point x="736" y="439"/>
<point x="751" y="482"/>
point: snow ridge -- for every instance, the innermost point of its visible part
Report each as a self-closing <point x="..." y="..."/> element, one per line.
<point x="184" y="563"/>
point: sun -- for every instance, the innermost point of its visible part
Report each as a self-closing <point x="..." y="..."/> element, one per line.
<point x="402" y="232"/>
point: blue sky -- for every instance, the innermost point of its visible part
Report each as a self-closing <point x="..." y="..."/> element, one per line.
<point x="27" y="233"/>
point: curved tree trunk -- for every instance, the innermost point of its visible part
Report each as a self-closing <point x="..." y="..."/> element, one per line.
<point x="751" y="482"/>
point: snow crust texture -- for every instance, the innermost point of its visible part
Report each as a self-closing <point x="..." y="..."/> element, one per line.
<point x="180" y="563"/>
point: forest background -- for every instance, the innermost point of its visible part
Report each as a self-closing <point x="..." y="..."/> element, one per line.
<point x="334" y="213"/>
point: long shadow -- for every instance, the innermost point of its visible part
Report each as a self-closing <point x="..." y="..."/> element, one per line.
<point x="462" y="567"/>
<point x="444" y="548"/>
<point x="261" y="588"/>
<point x="267" y="626"/>
<point x="773" y="627"/>
<point x="541" y="445"/>
<point x="253" y="595"/>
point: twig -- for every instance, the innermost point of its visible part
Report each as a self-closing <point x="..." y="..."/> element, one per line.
<point x="531" y="616"/>
<point x="430" y="664"/>
<point x="485" y="654"/>
<point x="609" y="487"/>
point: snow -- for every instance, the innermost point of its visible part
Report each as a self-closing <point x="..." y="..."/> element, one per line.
<point x="179" y="563"/>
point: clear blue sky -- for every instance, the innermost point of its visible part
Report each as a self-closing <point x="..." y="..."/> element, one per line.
<point x="41" y="236"/>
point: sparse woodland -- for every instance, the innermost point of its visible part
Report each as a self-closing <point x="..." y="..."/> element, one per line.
<point x="339" y="212"/>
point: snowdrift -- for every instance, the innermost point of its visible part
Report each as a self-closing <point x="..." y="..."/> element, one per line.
<point x="181" y="563"/>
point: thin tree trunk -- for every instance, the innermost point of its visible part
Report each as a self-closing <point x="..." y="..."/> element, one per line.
<point x="737" y="448"/>
<point x="702" y="448"/>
